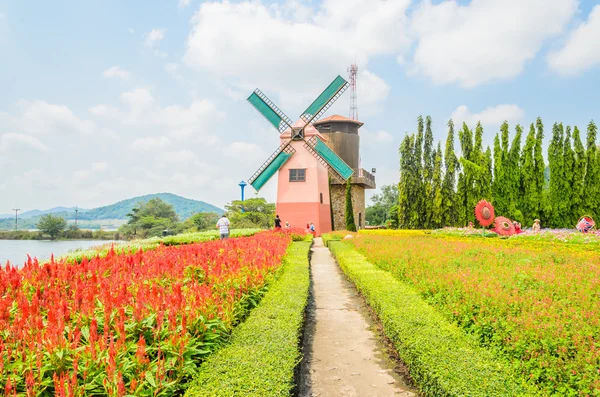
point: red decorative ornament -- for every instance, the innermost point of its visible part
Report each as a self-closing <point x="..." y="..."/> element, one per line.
<point x="484" y="212"/>
<point x="504" y="226"/>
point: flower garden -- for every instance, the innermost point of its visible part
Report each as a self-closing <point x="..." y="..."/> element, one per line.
<point x="532" y="300"/>
<point x="130" y="322"/>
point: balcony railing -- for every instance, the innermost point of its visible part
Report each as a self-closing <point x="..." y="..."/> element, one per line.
<point x="362" y="173"/>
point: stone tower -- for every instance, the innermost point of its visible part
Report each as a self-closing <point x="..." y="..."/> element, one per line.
<point x="342" y="137"/>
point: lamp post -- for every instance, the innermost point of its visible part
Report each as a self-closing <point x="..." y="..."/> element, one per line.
<point x="242" y="185"/>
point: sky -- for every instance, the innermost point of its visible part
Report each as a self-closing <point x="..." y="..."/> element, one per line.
<point x="103" y="100"/>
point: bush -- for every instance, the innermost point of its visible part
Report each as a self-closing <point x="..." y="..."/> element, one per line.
<point x="264" y="350"/>
<point x="442" y="360"/>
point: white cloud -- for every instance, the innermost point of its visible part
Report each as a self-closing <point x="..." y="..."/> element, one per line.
<point x="131" y="30"/>
<point x="184" y="3"/>
<point x="99" y="166"/>
<point x="249" y="44"/>
<point x="491" y="116"/>
<point x="116" y="71"/>
<point x="582" y="49"/>
<point x="154" y="37"/>
<point x="485" y="40"/>
<point x="151" y="143"/>
<point x="13" y="140"/>
<point x="40" y="117"/>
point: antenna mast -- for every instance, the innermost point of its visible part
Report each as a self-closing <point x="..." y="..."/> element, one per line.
<point x="16" y="218"/>
<point x="352" y="69"/>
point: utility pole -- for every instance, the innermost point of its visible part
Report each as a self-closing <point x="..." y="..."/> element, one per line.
<point x="16" y="218"/>
<point x="76" y="211"/>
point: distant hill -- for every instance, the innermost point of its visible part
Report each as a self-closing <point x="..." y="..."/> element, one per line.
<point x="118" y="211"/>
<point x="183" y="206"/>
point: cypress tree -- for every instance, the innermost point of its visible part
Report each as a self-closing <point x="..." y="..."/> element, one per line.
<point x="466" y="179"/>
<point x="437" y="209"/>
<point x="448" y="186"/>
<point x="429" y="155"/>
<point x="578" y="196"/>
<point x="419" y="186"/>
<point x="539" y="167"/>
<point x="567" y="181"/>
<point x="404" y="193"/>
<point x="483" y="182"/>
<point x="350" y="225"/>
<point x="529" y="200"/>
<point x="591" y="187"/>
<point x="556" y="164"/>
<point x="513" y="171"/>
<point x="498" y="187"/>
<point x="488" y="176"/>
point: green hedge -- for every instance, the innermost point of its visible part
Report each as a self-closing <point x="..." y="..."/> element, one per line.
<point x="441" y="359"/>
<point x="265" y="349"/>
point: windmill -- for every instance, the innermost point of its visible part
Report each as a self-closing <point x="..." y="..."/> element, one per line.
<point x="304" y="146"/>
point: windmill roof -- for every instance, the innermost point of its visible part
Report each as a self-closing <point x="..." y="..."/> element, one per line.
<point x="338" y="118"/>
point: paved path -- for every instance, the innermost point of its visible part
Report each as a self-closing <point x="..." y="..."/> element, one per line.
<point x="343" y="357"/>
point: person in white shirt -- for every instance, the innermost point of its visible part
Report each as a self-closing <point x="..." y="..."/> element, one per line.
<point x="223" y="226"/>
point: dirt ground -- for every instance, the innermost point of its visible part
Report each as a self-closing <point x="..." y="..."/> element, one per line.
<point x="343" y="351"/>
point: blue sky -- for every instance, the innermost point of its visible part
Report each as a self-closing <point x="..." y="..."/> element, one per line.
<point x="104" y="100"/>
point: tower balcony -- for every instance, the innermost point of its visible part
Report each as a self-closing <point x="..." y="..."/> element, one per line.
<point x="361" y="177"/>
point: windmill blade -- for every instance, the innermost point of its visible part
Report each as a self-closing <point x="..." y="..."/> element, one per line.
<point x="325" y="100"/>
<point x="271" y="165"/>
<point x="272" y="113"/>
<point x="336" y="166"/>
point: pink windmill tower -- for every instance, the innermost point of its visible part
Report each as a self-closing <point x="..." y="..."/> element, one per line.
<point x="303" y="160"/>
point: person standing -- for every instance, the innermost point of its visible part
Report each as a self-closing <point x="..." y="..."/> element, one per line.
<point x="312" y="228"/>
<point x="223" y="226"/>
<point x="277" y="222"/>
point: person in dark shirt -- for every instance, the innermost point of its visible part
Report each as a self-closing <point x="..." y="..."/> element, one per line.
<point x="277" y="222"/>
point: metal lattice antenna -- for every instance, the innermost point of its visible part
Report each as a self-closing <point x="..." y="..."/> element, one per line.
<point x="352" y="70"/>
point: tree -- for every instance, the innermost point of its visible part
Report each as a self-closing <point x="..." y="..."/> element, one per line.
<point x="448" y="185"/>
<point x="204" y="220"/>
<point x="251" y="213"/>
<point x="578" y="197"/>
<point x="556" y="164"/>
<point x="498" y="187"/>
<point x="466" y="178"/>
<point x="377" y="213"/>
<point x="529" y="201"/>
<point x="350" y="225"/>
<point x="437" y="209"/>
<point x="515" y="191"/>
<point x="567" y="181"/>
<point x="51" y="225"/>
<point x="539" y="168"/>
<point x="429" y="155"/>
<point x="404" y="185"/>
<point x="150" y="219"/>
<point x="591" y="184"/>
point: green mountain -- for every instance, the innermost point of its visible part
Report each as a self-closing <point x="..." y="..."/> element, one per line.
<point x="94" y="218"/>
<point x="183" y="207"/>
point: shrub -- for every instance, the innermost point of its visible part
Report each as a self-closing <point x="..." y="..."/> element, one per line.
<point x="264" y="351"/>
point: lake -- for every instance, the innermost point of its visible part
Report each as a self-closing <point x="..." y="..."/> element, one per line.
<point x="16" y="251"/>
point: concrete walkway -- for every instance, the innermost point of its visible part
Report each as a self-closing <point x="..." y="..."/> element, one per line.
<point x="343" y="356"/>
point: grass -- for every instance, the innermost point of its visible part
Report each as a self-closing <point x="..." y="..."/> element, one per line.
<point x="264" y="350"/>
<point x="442" y="359"/>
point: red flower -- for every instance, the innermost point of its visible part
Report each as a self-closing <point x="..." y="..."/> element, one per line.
<point x="484" y="212"/>
<point x="504" y="226"/>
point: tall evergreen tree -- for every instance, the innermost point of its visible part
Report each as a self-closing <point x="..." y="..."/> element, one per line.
<point x="419" y="194"/>
<point x="578" y="196"/>
<point x="529" y="201"/>
<point x="567" y="181"/>
<point x="556" y="164"/>
<point x="592" y="173"/>
<point x="350" y="225"/>
<point x="539" y="167"/>
<point x="513" y="172"/>
<point x="470" y="171"/>
<point x="488" y="176"/>
<point x="448" y="186"/>
<point x="429" y="155"/>
<point x="499" y="188"/>
<point x="437" y="209"/>
<point x="408" y="217"/>
<point x="482" y="183"/>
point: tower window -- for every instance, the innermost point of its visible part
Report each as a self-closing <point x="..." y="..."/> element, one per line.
<point x="321" y="197"/>
<point x="297" y="175"/>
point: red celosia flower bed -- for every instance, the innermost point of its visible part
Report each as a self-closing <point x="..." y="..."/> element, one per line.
<point x="137" y="324"/>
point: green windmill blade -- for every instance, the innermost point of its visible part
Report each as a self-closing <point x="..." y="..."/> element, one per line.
<point x="270" y="111"/>
<point x="325" y="100"/>
<point x="329" y="159"/>
<point x="271" y="166"/>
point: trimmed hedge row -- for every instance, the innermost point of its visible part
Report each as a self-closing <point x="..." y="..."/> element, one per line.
<point x="264" y="350"/>
<point x="442" y="360"/>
